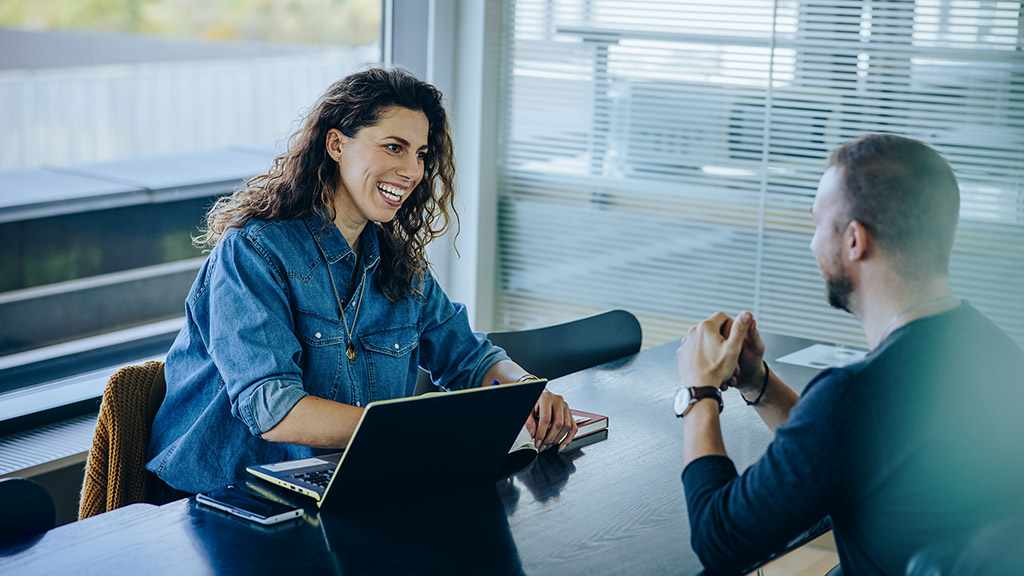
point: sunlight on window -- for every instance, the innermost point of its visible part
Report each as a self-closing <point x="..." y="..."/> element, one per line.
<point x="95" y="81"/>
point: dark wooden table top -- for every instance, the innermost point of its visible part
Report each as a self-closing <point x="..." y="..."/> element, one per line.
<point x="612" y="507"/>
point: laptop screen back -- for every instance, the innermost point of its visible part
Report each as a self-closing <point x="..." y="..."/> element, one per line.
<point x="431" y="441"/>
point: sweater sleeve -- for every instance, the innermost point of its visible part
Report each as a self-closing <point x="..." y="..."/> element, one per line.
<point x="737" y="520"/>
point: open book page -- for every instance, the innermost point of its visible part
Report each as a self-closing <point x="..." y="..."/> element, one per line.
<point x="520" y="454"/>
<point x="592" y="428"/>
<point x="523" y="441"/>
<point x="587" y="422"/>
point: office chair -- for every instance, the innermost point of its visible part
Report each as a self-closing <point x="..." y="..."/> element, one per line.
<point x="115" y="473"/>
<point x="993" y="550"/>
<point x="26" y="510"/>
<point x="554" y="351"/>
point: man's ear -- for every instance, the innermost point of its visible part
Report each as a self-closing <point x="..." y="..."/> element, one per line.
<point x="857" y="241"/>
<point x="334" y="143"/>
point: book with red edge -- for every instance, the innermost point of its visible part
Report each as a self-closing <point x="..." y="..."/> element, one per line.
<point x="591" y="428"/>
<point x="588" y="423"/>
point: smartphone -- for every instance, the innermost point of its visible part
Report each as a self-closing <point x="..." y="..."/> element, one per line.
<point x="234" y="500"/>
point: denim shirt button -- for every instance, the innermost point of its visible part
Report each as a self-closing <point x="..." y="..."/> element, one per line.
<point x="396" y="346"/>
<point x="317" y="335"/>
<point x="358" y="403"/>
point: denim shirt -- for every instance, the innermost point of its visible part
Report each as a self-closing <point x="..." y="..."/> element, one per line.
<point x="263" y="330"/>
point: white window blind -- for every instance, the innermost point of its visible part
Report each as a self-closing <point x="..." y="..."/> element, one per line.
<point x="662" y="156"/>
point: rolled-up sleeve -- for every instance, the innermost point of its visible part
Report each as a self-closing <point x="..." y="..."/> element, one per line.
<point x="456" y="357"/>
<point x="267" y="403"/>
<point x="492" y="356"/>
<point x="250" y="334"/>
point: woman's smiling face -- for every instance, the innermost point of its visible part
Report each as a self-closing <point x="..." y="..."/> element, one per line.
<point x="380" y="166"/>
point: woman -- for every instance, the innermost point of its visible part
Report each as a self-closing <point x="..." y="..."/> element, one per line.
<point x="317" y="298"/>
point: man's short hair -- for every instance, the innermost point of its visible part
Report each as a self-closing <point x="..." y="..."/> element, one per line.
<point x="906" y="195"/>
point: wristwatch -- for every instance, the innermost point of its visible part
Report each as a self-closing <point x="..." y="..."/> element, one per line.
<point x="687" y="397"/>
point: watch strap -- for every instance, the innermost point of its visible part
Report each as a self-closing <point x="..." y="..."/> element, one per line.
<point x="698" y="393"/>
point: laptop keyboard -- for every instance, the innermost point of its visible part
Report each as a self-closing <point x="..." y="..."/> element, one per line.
<point x="321" y="479"/>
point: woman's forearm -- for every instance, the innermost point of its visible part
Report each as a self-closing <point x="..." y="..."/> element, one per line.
<point x="317" y="423"/>
<point x="504" y="372"/>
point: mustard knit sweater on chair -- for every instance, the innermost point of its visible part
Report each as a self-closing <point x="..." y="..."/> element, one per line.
<point x="115" y="475"/>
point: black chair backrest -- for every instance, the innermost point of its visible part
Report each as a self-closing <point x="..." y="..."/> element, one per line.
<point x="26" y="510"/>
<point x="554" y="351"/>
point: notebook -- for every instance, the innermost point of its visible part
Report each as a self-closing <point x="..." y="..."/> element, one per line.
<point x="406" y="444"/>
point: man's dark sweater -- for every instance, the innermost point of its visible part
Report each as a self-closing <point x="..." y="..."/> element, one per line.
<point x="918" y="444"/>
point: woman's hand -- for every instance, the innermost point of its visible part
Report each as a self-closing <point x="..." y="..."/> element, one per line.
<point x="551" y="422"/>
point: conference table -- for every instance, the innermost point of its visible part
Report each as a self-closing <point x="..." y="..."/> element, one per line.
<point x="615" y="506"/>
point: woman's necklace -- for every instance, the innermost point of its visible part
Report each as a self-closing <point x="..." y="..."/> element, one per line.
<point x="350" y="349"/>
<point x="936" y="304"/>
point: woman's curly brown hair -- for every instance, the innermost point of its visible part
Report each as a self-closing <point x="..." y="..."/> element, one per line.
<point x="305" y="178"/>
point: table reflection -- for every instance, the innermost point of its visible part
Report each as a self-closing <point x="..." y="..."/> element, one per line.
<point x="460" y="531"/>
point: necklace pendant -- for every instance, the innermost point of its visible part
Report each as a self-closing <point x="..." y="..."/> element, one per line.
<point x="350" y="352"/>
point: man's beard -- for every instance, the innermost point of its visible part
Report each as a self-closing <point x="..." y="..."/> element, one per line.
<point x="838" y="288"/>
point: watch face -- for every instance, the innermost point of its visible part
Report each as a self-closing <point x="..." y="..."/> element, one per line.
<point x="682" y="400"/>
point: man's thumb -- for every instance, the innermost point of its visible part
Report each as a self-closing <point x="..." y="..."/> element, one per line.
<point x="739" y="330"/>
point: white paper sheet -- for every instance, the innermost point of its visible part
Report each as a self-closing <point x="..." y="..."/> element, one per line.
<point x="823" y="356"/>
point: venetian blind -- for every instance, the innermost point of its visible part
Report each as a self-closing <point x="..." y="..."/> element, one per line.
<point x="662" y="156"/>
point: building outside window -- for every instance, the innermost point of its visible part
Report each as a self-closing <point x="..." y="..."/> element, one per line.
<point x="120" y="122"/>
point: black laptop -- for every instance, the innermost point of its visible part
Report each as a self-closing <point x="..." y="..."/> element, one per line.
<point x="408" y="444"/>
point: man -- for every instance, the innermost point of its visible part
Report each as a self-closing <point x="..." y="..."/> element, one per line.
<point x="919" y="444"/>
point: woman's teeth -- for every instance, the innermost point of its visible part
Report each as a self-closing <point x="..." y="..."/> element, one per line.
<point x="391" y="193"/>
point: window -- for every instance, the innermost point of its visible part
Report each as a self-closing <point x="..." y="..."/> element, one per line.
<point x="120" y="122"/>
<point x="669" y="151"/>
<point x="96" y="81"/>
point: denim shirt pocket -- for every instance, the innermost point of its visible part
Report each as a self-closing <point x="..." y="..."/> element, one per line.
<point x="390" y="360"/>
<point x="323" y="348"/>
